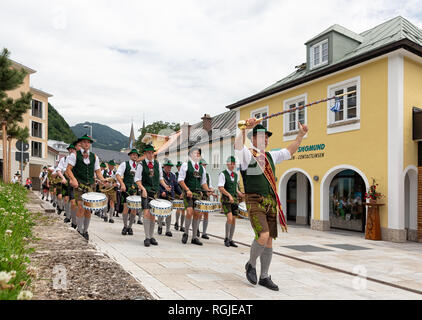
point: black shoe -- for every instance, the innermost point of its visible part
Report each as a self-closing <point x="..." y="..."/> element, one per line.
<point x="59" y="211"/>
<point x="140" y="222"/>
<point x="66" y="220"/>
<point x="42" y="198"/>
<point x="124" y="231"/>
<point x="147" y="242"/>
<point x="232" y="244"/>
<point x="268" y="283"/>
<point x="169" y="234"/>
<point x="185" y="238"/>
<point x="111" y="220"/>
<point x="182" y="229"/>
<point x="74" y="226"/>
<point x="153" y="242"/>
<point x="51" y="201"/>
<point x="227" y="242"/>
<point x="250" y="273"/>
<point x="86" y="236"/>
<point x="105" y="219"/>
<point x="160" y="230"/>
<point x="163" y="223"/>
<point x="130" y="231"/>
<point x="197" y="233"/>
<point x="97" y="213"/>
<point x="176" y="226"/>
<point x="205" y="236"/>
<point x="196" y="241"/>
<point x="54" y="205"/>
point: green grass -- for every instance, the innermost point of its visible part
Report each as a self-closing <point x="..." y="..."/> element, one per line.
<point x="14" y="249"/>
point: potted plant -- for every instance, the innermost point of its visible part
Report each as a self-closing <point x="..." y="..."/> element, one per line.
<point x="372" y="193"/>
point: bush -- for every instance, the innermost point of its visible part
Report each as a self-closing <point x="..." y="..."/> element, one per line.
<point x="15" y="231"/>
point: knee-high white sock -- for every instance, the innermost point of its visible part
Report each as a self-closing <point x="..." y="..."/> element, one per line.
<point x="265" y="258"/>
<point x="86" y="223"/>
<point x="168" y="223"/>
<point x="232" y="227"/>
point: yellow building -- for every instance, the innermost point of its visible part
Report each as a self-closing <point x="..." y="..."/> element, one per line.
<point x="323" y="185"/>
<point x="36" y="119"/>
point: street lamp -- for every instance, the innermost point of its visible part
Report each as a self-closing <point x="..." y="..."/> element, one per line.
<point x="90" y="133"/>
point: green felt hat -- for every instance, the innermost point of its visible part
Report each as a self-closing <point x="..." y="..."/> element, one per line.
<point x="231" y="159"/>
<point x="111" y="163"/>
<point x="149" y="147"/>
<point x="86" y="137"/>
<point x="179" y="164"/>
<point x="202" y="161"/>
<point x="134" y="151"/>
<point x="167" y="162"/>
<point x="17" y="173"/>
<point x="71" y="146"/>
<point x="259" y="128"/>
<point x="103" y="165"/>
<point x="45" y="167"/>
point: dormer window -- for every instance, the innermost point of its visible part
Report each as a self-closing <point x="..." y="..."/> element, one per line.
<point x="319" y="54"/>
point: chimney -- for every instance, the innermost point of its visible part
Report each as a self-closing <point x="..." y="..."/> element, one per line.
<point x="184" y="135"/>
<point x="206" y="122"/>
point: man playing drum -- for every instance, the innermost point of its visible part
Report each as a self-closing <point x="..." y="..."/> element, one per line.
<point x="171" y="181"/>
<point x="110" y="174"/>
<point x="179" y="212"/>
<point x="229" y="188"/>
<point x="149" y="177"/>
<point x="258" y="173"/>
<point x="44" y="183"/>
<point x="125" y="175"/>
<point x="193" y="180"/>
<point x="80" y="169"/>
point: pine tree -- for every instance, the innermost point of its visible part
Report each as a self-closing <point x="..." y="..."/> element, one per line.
<point x="11" y="111"/>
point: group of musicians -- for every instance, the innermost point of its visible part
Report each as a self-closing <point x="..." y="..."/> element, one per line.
<point x="81" y="172"/>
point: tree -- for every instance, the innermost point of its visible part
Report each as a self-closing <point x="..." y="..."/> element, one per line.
<point x="157" y="127"/>
<point x="11" y="111"/>
<point x="14" y="131"/>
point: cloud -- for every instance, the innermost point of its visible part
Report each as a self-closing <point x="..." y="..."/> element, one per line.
<point x="111" y="61"/>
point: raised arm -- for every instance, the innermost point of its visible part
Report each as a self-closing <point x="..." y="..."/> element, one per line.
<point x="303" y="130"/>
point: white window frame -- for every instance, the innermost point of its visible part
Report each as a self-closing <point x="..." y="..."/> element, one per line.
<point x="260" y="111"/>
<point x="287" y="134"/>
<point x="343" y="125"/>
<point x="311" y="54"/>
<point x="216" y="164"/>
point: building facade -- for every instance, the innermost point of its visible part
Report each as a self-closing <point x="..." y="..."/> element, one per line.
<point x="324" y="183"/>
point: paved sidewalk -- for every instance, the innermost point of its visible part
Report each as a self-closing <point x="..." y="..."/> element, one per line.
<point x="173" y="270"/>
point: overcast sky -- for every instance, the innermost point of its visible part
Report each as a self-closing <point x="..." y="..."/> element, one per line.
<point x="111" y="61"/>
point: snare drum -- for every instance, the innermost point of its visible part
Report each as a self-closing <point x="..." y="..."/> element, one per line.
<point x="204" y="206"/>
<point x="217" y="206"/>
<point x="160" y="207"/>
<point x="178" y="204"/>
<point x="243" y="211"/>
<point x="94" y="201"/>
<point x="134" y="202"/>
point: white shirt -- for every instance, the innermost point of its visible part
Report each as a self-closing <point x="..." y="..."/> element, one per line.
<point x="222" y="178"/>
<point x="245" y="156"/>
<point x="138" y="174"/>
<point x="184" y="169"/>
<point x="62" y="164"/>
<point x="72" y="160"/>
<point x="45" y="177"/>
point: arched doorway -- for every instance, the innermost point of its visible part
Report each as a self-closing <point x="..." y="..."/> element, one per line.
<point x="296" y="197"/>
<point x="346" y="192"/>
<point x="410" y="203"/>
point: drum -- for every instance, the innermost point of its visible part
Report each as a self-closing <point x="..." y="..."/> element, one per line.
<point x="178" y="204"/>
<point x="161" y="207"/>
<point x="134" y="202"/>
<point x="94" y="201"/>
<point x="217" y="206"/>
<point x="243" y="211"/>
<point x="204" y="206"/>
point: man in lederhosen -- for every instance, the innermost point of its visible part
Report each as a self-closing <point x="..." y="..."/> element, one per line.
<point x="179" y="212"/>
<point x="52" y="185"/>
<point x="230" y="194"/>
<point x="81" y="168"/>
<point x="193" y="180"/>
<point x="140" y="213"/>
<point x="171" y="181"/>
<point x="103" y="168"/>
<point x="112" y="195"/>
<point x="205" y="215"/>
<point x="258" y="173"/>
<point x="149" y="177"/>
<point x="126" y="177"/>
<point x="44" y="183"/>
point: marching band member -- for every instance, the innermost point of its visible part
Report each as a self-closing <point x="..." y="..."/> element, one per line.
<point x="258" y="173"/>
<point x="193" y="180"/>
<point x="111" y="173"/>
<point x="203" y="163"/>
<point x="80" y="169"/>
<point x="179" y="212"/>
<point x="149" y="177"/>
<point x="44" y="183"/>
<point x="73" y="204"/>
<point x="171" y="181"/>
<point x="229" y="188"/>
<point x="51" y="185"/>
<point x="126" y="177"/>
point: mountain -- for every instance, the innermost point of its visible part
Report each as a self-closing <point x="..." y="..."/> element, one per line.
<point x="104" y="136"/>
<point x="58" y="129"/>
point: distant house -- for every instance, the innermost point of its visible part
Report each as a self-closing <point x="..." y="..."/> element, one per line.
<point x="107" y="155"/>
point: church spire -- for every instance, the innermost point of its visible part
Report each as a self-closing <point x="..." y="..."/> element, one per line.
<point x="131" y="137"/>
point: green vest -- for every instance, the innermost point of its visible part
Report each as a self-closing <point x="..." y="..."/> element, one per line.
<point x="177" y="175"/>
<point x="105" y="174"/>
<point x="192" y="180"/>
<point x="152" y="184"/>
<point x="230" y="186"/>
<point x="257" y="183"/>
<point x="128" y="176"/>
<point x="84" y="173"/>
